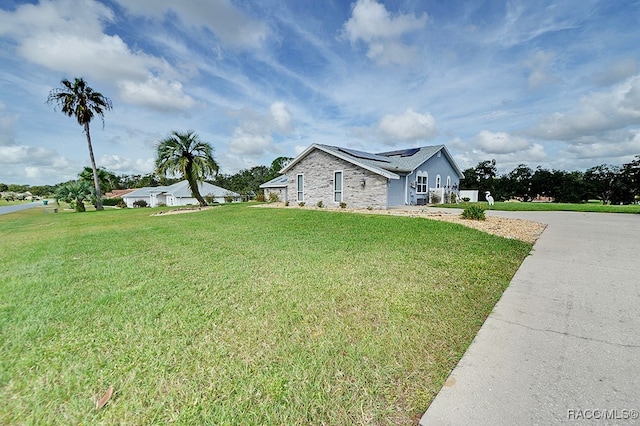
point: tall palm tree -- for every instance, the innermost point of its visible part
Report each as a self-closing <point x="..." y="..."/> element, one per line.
<point x="185" y="154"/>
<point x="77" y="99"/>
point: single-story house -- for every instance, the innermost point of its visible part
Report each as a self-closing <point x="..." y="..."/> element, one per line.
<point x="178" y="194"/>
<point x="334" y="175"/>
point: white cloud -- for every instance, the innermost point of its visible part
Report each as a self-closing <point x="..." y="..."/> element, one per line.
<point x="538" y="65"/>
<point x="281" y="117"/>
<point x="597" y="112"/>
<point x="618" y="145"/>
<point x="244" y="143"/>
<point x="26" y="154"/>
<point x="221" y="17"/>
<point x="65" y="36"/>
<point x="616" y="72"/>
<point x="121" y="165"/>
<point x="156" y="93"/>
<point x="408" y="126"/>
<point x="371" y="23"/>
<point x="499" y="142"/>
<point x="254" y="134"/>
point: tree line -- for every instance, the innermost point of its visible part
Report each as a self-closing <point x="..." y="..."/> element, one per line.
<point x="607" y="183"/>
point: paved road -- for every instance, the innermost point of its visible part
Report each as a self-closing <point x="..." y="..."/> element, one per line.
<point x="18" y="207"/>
<point x="564" y="339"/>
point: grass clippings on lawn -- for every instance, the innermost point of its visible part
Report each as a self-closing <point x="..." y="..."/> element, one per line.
<point x="237" y="315"/>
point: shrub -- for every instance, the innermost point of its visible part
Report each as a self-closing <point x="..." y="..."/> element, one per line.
<point x="111" y="201"/>
<point x="466" y="199"/>
<point x="473" y="212"/>
<point x="286" y="203"/>
<point x="343" y="205"/>
<point x="228" y="198"/>
<point x="260" y="197"/>
<point x="273" y="197"/>
<point x="122" y="204"/>
<point x="209" y="198"/>
<point x="301" y="204"/>
<point x="320" y="204"/>
<point x="453" y="197"/>
<point x="140" y="203"/>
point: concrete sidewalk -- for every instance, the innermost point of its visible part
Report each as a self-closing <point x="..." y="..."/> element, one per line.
<point x="564" y="340"/>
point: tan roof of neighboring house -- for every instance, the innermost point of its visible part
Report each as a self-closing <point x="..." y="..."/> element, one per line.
<point x="118" y="193"/>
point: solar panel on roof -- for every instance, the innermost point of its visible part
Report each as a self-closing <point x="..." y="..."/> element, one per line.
<point x="401" y="152"/>
<point x="363" y="155"/>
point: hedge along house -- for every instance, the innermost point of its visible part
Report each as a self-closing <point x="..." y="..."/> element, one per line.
<point x="334" y="175"/>
<point x="178" y="194"/>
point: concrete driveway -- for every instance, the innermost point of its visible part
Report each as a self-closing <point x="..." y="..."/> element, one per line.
<point x="563" y="342"/>
<point x="18" y="207"/>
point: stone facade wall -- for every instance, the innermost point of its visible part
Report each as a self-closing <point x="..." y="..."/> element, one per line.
<point x="280" y="192"/>
<point x="318" y="169"/>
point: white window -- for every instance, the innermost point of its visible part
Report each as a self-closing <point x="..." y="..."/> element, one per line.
<point x="448" y="181"/>
<point x="337" y="187"/>
<point x="438" y="181"/>
<point x="300" y="186"/>
<point x="422" y="183"/>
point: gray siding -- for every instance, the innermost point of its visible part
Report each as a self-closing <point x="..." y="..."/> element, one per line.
<point x="318" y="169"/>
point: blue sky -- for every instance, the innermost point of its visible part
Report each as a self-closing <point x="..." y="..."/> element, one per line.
<point x="555" y="84"/>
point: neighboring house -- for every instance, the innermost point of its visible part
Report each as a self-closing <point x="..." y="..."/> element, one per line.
<point x="118" y="193"/>
<point x="178" y="194"/>
<point x="334" y="175"/>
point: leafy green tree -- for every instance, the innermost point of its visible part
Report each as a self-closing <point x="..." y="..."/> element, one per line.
<point x="519" y="180"/>
<point x="185" y="154"/>
<point x="543" y="183"/>
<point x="42" y="190"/>
<point x="483" y="177"/>
<point x="75" y="193"/>
<point x="601" y="180"/>
<point x="77" y="99"/>
<point x="4" y="187"/>
<point x="570" y="187"/>
<point x="277" y="165"/>
<point x="107" y="180"/>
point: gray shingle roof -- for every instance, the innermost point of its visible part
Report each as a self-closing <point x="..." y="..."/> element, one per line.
<point x="181" y="190"/>
<point x="278" y="182"/>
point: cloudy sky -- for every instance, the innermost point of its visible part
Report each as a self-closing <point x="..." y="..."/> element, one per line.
<point x="549" y="83"/>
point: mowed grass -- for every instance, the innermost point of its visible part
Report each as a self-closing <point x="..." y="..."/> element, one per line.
<point x="596" y="207"/>
<point x="238" y="315"/>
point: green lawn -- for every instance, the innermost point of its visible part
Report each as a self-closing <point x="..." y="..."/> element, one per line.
<point x="584" y="207"/>
<point x="238" y="315"/>
<point x="4" y="202"/>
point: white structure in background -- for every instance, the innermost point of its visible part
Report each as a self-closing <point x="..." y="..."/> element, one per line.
<point x="471" y="194"/>
<point x="178" y="194"/>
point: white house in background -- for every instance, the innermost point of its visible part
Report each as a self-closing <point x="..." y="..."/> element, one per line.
<point x="178" y="194"/>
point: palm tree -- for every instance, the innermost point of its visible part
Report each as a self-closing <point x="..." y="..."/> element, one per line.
<point x="75" y="193"/>
<point x="78" y="100"/>
<point x="185" y="154"/>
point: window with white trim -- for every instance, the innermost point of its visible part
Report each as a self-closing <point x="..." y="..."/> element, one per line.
<point x="448" y="181"/>
<point x="300" y="186"/>
<point x="337" y="187"/>
<point x="422" y="182"/>
<point x="438" y="181"/>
